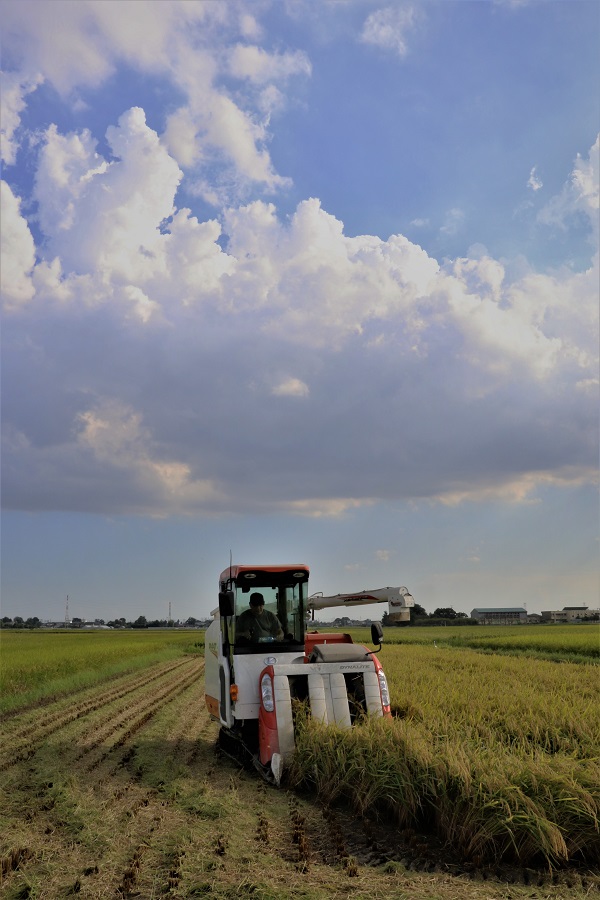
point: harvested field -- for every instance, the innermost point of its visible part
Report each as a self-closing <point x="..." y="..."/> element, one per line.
<point x="117" y="790"/>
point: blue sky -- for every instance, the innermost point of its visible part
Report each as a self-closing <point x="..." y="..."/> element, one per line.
<point x="307" y="282"/>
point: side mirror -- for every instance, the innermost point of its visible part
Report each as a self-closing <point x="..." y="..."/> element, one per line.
<point x="376" y="633"/>
<point x="226" y="603"/>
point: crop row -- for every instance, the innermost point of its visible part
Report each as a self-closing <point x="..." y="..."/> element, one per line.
<point x="497" y="754"/>
<point x="572" y="642"/>
<point x="42" y="663"/>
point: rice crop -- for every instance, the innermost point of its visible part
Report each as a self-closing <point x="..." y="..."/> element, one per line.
<point x="571" y="642"/>
<point x="497" y="754"/>
<point x="35" y="664"/>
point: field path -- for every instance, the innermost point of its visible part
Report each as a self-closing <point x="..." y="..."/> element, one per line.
<point x="119" y="791"/>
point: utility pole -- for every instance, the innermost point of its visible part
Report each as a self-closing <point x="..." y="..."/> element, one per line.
<point x="169" y="610"/>
<point x="67" y="611"/>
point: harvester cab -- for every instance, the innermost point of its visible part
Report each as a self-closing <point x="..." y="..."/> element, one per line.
<point x="261" y="662"/>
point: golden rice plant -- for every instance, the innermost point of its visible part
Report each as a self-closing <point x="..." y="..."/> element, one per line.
<point x="499" y="755"/>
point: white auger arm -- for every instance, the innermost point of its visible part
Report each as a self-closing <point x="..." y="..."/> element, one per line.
<point x="399" y="601"/>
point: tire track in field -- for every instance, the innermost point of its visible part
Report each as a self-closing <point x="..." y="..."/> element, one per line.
<point x="151" y="857"/>
<point x="127" y="725"/>
<point x="145" y="805"/>
<point x="24" y="742"/>
<point x="28" y="720"/>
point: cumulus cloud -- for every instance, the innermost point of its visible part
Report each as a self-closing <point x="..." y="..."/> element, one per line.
<point x="179" y="350"/>
<point x="101" y="216"/>
<point x="249" y="361"/>
<point x="17" y="250"/>
<point x="222" y="135"/>
<point x="15" y="88"/>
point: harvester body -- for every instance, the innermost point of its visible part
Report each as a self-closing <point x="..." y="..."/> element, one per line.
<point x="254" y="686"/>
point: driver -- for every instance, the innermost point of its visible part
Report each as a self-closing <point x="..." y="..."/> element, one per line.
<point x="257" y="622"/>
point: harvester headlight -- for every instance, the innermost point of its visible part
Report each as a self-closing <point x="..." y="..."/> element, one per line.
<point x="383" y="687"/>
<point x="266" y="691"/>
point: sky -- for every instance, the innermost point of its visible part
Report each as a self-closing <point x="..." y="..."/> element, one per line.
<point x="296" y="281"/>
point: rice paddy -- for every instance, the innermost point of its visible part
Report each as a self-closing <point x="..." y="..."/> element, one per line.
<point x="499" y="754"/>
<point x="490" y="762"/>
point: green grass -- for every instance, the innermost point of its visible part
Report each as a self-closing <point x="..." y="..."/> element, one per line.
<point x="38" y="664"/>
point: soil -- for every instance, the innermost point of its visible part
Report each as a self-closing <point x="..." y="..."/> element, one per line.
<point x="121" y="791"/>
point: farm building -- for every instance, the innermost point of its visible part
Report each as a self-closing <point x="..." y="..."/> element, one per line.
<point x="569" y="614"/>
<point x="500" y="615"/>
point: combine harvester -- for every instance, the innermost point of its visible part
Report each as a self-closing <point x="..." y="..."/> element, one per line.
<point x="260" y="659"/>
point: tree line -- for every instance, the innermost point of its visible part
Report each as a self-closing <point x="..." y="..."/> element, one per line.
<point x="140" y="622"/>
<point x="418" y="616"/>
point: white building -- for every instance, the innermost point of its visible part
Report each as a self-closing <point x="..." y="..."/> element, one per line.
<point x="500" y="615"/>
<point x="570" y="614"/>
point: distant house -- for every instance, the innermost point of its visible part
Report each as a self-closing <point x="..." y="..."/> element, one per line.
<point x="500" y="615"/>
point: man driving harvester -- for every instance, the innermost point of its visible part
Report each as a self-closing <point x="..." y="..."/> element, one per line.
<point x="257" y="623"/>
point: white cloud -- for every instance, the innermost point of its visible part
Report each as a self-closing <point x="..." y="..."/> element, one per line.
<point x="259" y="66"/>
<point x="383" y="555"/>
<point x="454" y="221"/>
<point x="579" y="195"/>
<point x="118" y="440"/>
<point x="15" y="88"/>
<point x="17" y="251"/>
<point x="106" y="217"/>
<point x="291" y="387"/>
<point x="258" y="363"/>
<point x="389" y="28"/>
<point x="219" y="133"/>
<point x="534" y="181"/>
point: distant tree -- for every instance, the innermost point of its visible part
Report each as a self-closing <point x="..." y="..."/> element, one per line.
<point x="32" y="622"/>
<point x="140" y="622"/>
<point x="444" y="612"/>
<point x="18" y="621"/>
<point x="191" y="622"/>
<point x="417" y="614"/>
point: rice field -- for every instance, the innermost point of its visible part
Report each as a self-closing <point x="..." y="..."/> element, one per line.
<point x="556" y="642"/>
<point x="39" y="663"/>
<point x="498" y="754"/>
<point x="495" y="754"/>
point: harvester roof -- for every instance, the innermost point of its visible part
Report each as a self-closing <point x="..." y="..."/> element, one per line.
<point x="297" y="571"/>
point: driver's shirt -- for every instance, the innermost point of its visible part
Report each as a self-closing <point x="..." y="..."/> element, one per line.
<point x="263" y="626"/>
